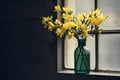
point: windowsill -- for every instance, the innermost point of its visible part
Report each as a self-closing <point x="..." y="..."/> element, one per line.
<point x="91" y="73"/>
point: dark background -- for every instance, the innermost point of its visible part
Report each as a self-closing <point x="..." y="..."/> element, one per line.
<point x="27" y="51"/>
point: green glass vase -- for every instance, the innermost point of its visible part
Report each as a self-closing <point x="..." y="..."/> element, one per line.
<point x="81" y="58"/>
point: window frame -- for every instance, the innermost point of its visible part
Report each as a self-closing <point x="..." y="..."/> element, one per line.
<point x="60" y="50"/>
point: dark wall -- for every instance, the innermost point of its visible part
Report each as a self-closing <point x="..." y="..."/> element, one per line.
<point x="27" y="51"/>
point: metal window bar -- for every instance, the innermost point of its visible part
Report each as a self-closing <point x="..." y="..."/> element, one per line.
<point x="96" y="42"/>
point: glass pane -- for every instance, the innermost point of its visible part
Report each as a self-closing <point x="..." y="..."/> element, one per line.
<point x="110" y="8"/>
<point x="78" y="6"/>
<point x="109" y="53"/>
<point x="69" y="47"/>
<point x="91" y="47"/>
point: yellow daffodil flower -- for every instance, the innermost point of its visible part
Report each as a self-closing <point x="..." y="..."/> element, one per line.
<point x="82" y="26"/>
<point x="86" y="16"/>
<point x="59" y="32"/>
<point x="79" y="23"/>
<point x="65" y="26"/>
<point x="80" y="17"/>
<point x="71" y="24"/>
<point x="92" y="20"/>
<point x="57" y="8"/>
<point x="97" y="12"/>
<point x="67" y="17"/>
<point x="70" y="17"/>
<point x="85" y="34"/>
<point x="64" y="15"/>
<point x="99" y="20"/>
<point x="58" y="22"/>
<point x="66" y="9"/>
<point x="46" y="19"/>
<point x="70" y="35"/>
<point x="50" y="26"/>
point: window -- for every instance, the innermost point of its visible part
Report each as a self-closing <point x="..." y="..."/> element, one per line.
<point x="104" y="49"/>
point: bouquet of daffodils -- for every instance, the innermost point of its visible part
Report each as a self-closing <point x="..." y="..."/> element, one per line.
<point x="73" y="26"/>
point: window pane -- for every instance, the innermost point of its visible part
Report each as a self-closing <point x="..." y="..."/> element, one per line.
<point x="78" y="6"/>
<point x="91" y="47"/>
<point x="69" y="47"/>
<point x="110" y="8"/>
<point x="109" y="53"/>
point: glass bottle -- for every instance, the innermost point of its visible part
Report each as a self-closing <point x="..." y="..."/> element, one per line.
<point x="81" y="58"/>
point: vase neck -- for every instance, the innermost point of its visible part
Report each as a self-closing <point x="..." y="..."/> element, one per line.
<point x="81" y="42"/>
